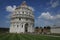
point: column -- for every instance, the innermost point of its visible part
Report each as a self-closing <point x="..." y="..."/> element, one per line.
<point x="29" y="27"/>
<point x="24" y="27"/>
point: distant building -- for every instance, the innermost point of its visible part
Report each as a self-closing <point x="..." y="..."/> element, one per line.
<point x="55" y="30"/>
<point x="45" y="30"/>
<point x="22" y="19"/>
<point x="38" y="30"/>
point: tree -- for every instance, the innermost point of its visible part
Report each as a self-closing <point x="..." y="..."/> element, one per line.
<point x="48" y="27"/>
<point x="40" y="27"/>
<point x="45" y="27"/>
<point x="37" y="27"/>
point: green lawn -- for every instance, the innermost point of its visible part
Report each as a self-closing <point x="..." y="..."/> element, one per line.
<point x="7" y="36"/>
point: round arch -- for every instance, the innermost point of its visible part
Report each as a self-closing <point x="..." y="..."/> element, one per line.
<point x="26" y="27"/>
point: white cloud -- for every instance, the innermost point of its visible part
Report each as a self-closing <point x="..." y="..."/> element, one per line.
<point x="31" y="8"/>
<point x="58" y="16"/>
<point x="10" y="8"/>
<point x="54" y="3"/>
<point x="47" y="19"/>
<point x="46" y="15"/>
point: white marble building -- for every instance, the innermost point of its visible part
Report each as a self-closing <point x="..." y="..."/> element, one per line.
<point x="22" y="19"/>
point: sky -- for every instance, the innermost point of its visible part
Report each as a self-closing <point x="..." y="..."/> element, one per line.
<point x="46" y="12"/>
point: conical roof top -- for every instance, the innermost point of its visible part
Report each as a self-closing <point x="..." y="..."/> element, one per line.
<point x="24" y="3"/>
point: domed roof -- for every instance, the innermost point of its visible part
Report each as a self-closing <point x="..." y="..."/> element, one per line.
<point x="24" y="5"/>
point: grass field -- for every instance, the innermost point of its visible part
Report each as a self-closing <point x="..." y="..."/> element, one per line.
<point x="7" y="36"/>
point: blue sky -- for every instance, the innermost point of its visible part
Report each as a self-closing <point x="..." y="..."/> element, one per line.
<point x="46" y="12"/>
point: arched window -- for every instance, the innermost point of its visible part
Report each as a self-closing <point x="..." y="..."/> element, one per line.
<point x="23" y="12"/>
<point x="22" y="26"/>
<point x="19" y="18"/>
<point x="17" y="25"/>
